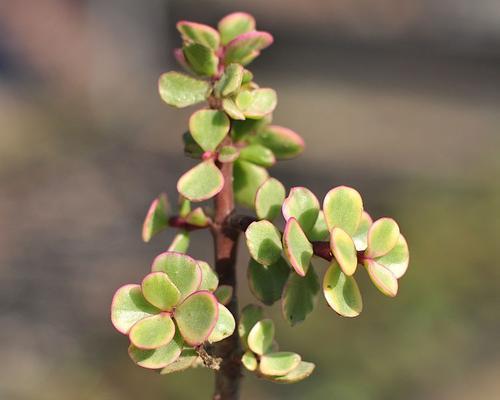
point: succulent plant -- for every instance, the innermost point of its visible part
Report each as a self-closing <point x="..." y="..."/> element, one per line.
<point x="184" y="313"/>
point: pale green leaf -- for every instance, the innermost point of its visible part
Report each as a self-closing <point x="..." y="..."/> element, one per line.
<point x="152" y="332"/>
<point x="209" y="279"/>
<point x="360" y="237"/>
<point x="224" y="326"/>
<point x="344" y="251"/>
<point x="249" y="361"/>
<point x="157" y="358"/>
<point x="283" y="142"/>
<point x="382" y="278"/>
<point x="319" y="231"/>
<point x="230" y="81"/>
<point x="261" y="336"/>
<point x="235" y="24"/>
<point x="298" y="249"/>
<point x="231" y="109"/>
<point x="209" y="128"/>
<point x="301" y="372"/>
<point x="202" y="182"/>
<point x="245" y="47"/>
<point x="188" y="358"/>
<point x="258" y="154"/>
<point x="228" y="154"/>
<point x="397" y="259"/>
<point x="267" y="282"/>
<point x="382" y="237"/>
<point x="257" y="103"/>
<point x="202" y="60"/>
<point x="180" y="90"/>
<point x="159" y="290"/>
<point x="224" y="294"/>
<point x="343" y="208"/>
<point x="157" y="217"/>
<point x="247" y="129"/>
<point x="279" y="363"/>
<point x="247" y="179"/>
<point x="302" y="205"/>
<point x="342" y="292"/>
<point x="269" y="198"/>
<point x="250" y="315"/>
<point x="180" y="244"/>
<point x="199" y="33"/>
<point x="264" y="242"/>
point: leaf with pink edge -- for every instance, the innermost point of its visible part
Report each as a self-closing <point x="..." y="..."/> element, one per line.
<point x="246" y="46"/>
<point x="180" y="244"/>
<point x="343" y="207"/>
<point x="235" y="24"/>
<point x="159" y="290"/>
<point x="279" y="363"/>
<point x="269" y="198"/>
<point x="299" y="296"/>
<point x="129" y="306"/>
<point x="360" y="237"/>
<point x="196" y="317"/>
<point x="283" y="142"/>
<point x="298" y="249"/>
<point x="157" y="217"/>
<point x="224" y="327"/>
<point x="183" y="271"/>
<point x="157" y="358"/>
<point x="152" y="332"/>
<point x="197" y="217"/>
<point x="257" y="103"/>
<point x="302" y="205"/>
<point x="319" y="232"/>
<point x="209" y="128"/>
<point x="261" y="336"/>
<point x="199" y="33"/>
<point x="202" y="182"/>
<point x="263" y="242"/>
<point x="230" y="81"/>
<point x="267" y="282"/>
<point x="342" y="292"/>
<point x="224" y="294"/>
<point x="344" y="251"/>
<point x="202" y="60"/>
<point x="397" y="259"/>
<point x="209" y="279"/>
<point x="382" y="237"/>
<point x="301" y="372"/>
<point x="180" y="90"/>
<point x="250" y="315"/>
<point x="247" y="179"/>
<point x="382" y="278"/>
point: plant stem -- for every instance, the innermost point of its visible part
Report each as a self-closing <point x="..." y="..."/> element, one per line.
<point x="228" y="377"/>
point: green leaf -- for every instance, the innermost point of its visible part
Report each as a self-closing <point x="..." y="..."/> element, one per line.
<point x="344" y="251"/>
<point x="382" y="278"/>
<point x="260" y="338"/>
<point x="184" y="206"/>
<point x="230" y="107"/>
<point x="209" y="279"/>
<point x="224" y="294"/>
<point x="180" y="244"/>
<point x="382" y="237"/>
<point x="279" y="364"/>
<point x="269" y="198"/>
<point x="201" y="59"/>
<point x="299" y="297"/>
<point x="230" y="81"/>
<point x="196" y="317"/>
<point x="343" y="208"/>
<point x="301" y="372"/>
<point x="247" y="129"/>
<point x="152" y="332"/>
<point x="298" y="249"/>
<point x="235" y="24"/>
<point x="283" y="142"/>
<point x="157" y="217"/>
<point x="159" y="290"/>
<point x="249" y="361"/>
<point x="157" y="358"/>
<point x="209" y="128"/>
<point x="202" y="182"/>
<point x="342" y="292"/>
<point x="245" y="47"/>
<point x="228" y="154"/>
<point x="250" y="315"/>
<point x="247" y="76"/>
<point x="360" y="237"/>
<point x="397" y="259"/>
<point x="224" y="327"/>
<point x="247" y="178"/>
<point x="191" y="148"/>
<point x="257" y="154"/>
<point x="264" y="242"/>
<point x="319" y="231"/>
<point x="183" y="271"/>
<point x="128" y="307"/>
<point x="188" y="358"/>
<point x="180" y="90"/>
<point x="199" y="33"/>
<point x="197" y="217"/>
<point x="267" y="282"/>
<point x="302" y="205"/>
<point x="257" y="103"/>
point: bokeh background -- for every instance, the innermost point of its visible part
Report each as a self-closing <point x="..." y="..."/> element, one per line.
<point x="398" y="98"/>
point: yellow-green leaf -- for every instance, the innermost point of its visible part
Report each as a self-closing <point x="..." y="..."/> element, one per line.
<point x="298" y="249"/>
<point x="344" y="251"/>
<point x="264" y="242"/>
<point x="180" y="90"/>
<point x="343" y="207"/>
<point x="342" y="292"/>
<point x="202" y="182"/>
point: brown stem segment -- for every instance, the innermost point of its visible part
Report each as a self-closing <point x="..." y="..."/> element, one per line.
<point x="228" y="377"/>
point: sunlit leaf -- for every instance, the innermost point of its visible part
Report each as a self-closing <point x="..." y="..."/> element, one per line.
<point x="360" y="237"/>
<point x="264" y="242"/>
<point x="301" y="372"/>
<point x="235" y="24"/>
<point x="180" y="244"/>
<point x="230" y="81"/>
<point x="159" y="290"/>
<point x="202" y="182"/>
<point x="299" y="296"/>
<point x="199" y="33"/>
<point x="344" y="251"/>
<point x="261" y="336"/>
<point x="283" y="142"/>
<point x="152" y="332"/>
<point x="209" y="279"/>
<point x="302" y="205"/>
<point x="382" y="278"/>
<point x="231" y="109"/>
<point x="157" y="358"/>
<point x="267" y="282"/>
<point x="257" y="103"/>
<point x="245" y="47"/>
<point x="209" y="128"/>
<point x="382" y="237"/>
<point x="224" y="326"/>
<point x="250" y="315"/>
<point x="341" y="292"/>
<point x="249" y="361"/>
<point x="397" y="259"/>
<point x="269" y="198"/>
<point x="196" y="317"/>
<point x="180" y="90"/>
<point x="197" y="217"/>
<point x="157" y="217"/>
<point x="247" y="179"/>
<point x="343" y="208"/>
<point x="298" y="249"/>
<point x="279" y="363"/>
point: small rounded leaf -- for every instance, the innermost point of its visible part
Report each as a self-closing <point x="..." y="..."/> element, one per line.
<point x="247" y="129"/>
<point x="159" y="290"/>
<point x="201" y="182"/>
<point x="302" y="205"/>
<point x="342" y="292"/>
<point x="382" y="278"/>
<point x="269" y="198"/>
<point x="180" y="244"/>
<point x="230" y="81"/>
<point x="343" y="208"/>
<point x="280" y="363"/>
<point x="298" y="249"/>
<point x="261" y="336"/>
<point x="183" y="271"/>
<point x="228" y="154"/>
<point x="180" y="90"/>
<point x="245" y="47"/>
<point x="264" y="242"/>
<point x="187" y="359"/>
<point x="360" y="237"/>
<point x="258" y="154"/>
<point x="209" y="128"/>
<point x="157" y="358"/>
<point x="382" y="237"/>
<point x="231" y="109"/>
<point x="247" y="179"/>
<point x="152" y="332"/>
<point x="319" y="232"/>
<point x="283" y="142"/>
<point x="196" y="317"/>
<point x="224" y="294"/>
<point x="299" y="297"/>
<point x="235" y="24"/>
<point x="257" y="103"/>
<point x="249" y="361"/>
<point x="250" y="315"/>
<point x="197" y="217"/>
<point x="209" y="279"/>
<point x="199" y="33"/>
<point x="157" y="217"/>
<point x="224" y="326"/>
<point x="397" y="259"/>
<point x="128" y="307"/>
<point x="267" y="282"/>
<point x="344" y="251"/>
<point x="301" y="372"/>
<point x="202" y="60"/>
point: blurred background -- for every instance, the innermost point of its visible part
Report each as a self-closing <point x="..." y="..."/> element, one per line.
<point x="398" y="98"/>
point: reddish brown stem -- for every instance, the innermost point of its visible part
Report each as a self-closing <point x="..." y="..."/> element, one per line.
<point x="228" y="377"/>
<point x="179" y="222"/>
